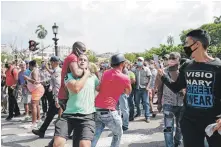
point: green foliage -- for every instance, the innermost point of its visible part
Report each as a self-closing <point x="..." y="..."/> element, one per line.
<point x="92" y="58"/>
<point x="214" y="31"/>
<point x="6" y="56"/>
<point x="41" y="32"/>
<point x="38" y="61"/>
<point x="130" y="56"/>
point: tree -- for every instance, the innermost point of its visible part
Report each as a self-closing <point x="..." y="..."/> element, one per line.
<point x="6" y="57"/>
<point x="130" y="56"/>
<point x="217" y="20"/>
<point x="41" y="34"/>
<point x="170" y="40"/>
<point x="183" y="35"/>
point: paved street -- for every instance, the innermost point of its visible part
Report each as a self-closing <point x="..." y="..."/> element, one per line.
<point x="140" y="134"/>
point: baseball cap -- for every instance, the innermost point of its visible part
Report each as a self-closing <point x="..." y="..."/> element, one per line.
<point x="166" y="56"/>
<point x="55" y="59"/>
<point x="140" y="58"/>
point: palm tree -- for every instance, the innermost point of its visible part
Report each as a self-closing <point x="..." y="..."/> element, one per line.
<point x="217" y="20"/>
<point x="41" y="34"/>
<point x="170" y="40"/>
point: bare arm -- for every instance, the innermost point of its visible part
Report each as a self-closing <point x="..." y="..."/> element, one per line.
<point x="76" y="86"/>
<point x="33" y="75"/>
<point x="75" y="70"/>
<point x="128" y="90"/>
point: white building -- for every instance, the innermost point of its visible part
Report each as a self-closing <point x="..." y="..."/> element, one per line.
<point x="63" y="51"/>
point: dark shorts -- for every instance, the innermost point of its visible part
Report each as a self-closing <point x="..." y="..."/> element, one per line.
<point x="63" y="103"/>
<point x="82" y="125"/>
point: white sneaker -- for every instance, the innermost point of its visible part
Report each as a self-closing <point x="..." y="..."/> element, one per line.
<point x="39" y="123"/>
<point x="30" y="126"/>
<point x="27" y="118"/>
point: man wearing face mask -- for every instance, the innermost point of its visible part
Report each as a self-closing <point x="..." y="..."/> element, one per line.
<point x="172" y="103"/>
<point x="201" y="77"/>
<point x="142" y="87"/>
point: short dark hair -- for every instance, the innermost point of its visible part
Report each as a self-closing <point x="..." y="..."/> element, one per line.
<point x="33" y="63"/>
<point x="116" y="65"/>
<point x="78" y="45"/>
<point x="200" y="35"/>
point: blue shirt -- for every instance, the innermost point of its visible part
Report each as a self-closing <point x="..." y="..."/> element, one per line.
<point x="21" y="79"/>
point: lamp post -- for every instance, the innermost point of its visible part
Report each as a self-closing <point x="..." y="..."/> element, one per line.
<point x="55" y="31"/>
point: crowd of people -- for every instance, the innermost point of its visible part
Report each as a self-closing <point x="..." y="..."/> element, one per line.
<point x="87" y="98"/>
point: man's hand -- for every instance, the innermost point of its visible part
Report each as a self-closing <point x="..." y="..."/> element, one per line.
<point x="57" y="104"/>
<point x="161" y="72"/>
<point x="50" y="89"/>
<point x="26" y="77"/>
<point x="87" y="72"/>
<point x="159" y="108"/>
<point x="218" y="126"/>
<point x="147" y="89"/>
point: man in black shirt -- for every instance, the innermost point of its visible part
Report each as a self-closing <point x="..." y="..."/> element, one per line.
<point x="201" y="77"/>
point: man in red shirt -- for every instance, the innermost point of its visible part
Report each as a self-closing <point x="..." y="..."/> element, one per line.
<point x="11" y="81"/>
<point x="69" y="64"/>
<point x="113" y="84"/>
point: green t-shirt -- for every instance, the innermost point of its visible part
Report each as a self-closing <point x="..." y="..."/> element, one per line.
<point x="131" y="76"/>
<point x="84" y="101"/>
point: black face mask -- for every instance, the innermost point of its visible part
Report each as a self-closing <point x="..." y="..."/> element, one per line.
<point x="188" y="50"/>
<point x="78" y="52"/>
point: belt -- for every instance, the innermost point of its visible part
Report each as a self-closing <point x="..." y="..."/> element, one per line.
<point x="104" y="111"/>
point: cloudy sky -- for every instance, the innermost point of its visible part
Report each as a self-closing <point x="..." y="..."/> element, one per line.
<point x="127" y="26"/>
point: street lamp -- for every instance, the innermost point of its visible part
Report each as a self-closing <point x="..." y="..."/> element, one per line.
<point x="55" y="31"/>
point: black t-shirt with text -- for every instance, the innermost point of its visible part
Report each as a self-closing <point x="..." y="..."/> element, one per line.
<point x="202" y="82"/>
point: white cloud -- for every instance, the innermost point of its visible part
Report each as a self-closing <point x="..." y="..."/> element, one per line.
<point x="106" y="26"/>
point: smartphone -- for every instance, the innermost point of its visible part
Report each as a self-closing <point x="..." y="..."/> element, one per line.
<point x="156" y="60"/>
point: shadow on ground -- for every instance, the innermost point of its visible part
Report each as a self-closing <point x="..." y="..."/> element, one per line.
<point x="151" y="144"/>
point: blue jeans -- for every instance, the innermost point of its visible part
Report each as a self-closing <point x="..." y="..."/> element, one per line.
<point x="169" y="113"/>
<point x="124" y="109"/>
<point x="113" y="121"/>
<point x="131" y="103"/>
<point x="142" y="94"/>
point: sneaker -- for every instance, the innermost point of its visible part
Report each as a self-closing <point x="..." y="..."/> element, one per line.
<point x="27" y="118"/>
<point x="131" y="119"/>
<point x="147" y="120"/>
<point x="43" y="116"/>
<point x="31" y="126"/>
<point x="125" y="128"/>
<point x="154" y="115"/>
<point x="38" y="133"/>
<point x="39" y="123"/>
<point x="137" y="115"/>
<point x="9" y="118"/>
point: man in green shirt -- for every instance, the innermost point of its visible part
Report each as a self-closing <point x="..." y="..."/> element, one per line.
<point x="80" y="108"/>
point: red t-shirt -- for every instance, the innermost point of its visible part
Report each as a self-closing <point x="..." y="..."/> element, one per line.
<point x="113" y="84"/>
<point x="71" y="58"/>
<point x="10" y="79"/>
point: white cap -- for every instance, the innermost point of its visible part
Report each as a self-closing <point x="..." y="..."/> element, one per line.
<point x="140" y="58"/>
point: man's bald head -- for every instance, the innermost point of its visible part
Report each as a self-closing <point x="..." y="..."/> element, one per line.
<point x="78" y="48"/>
